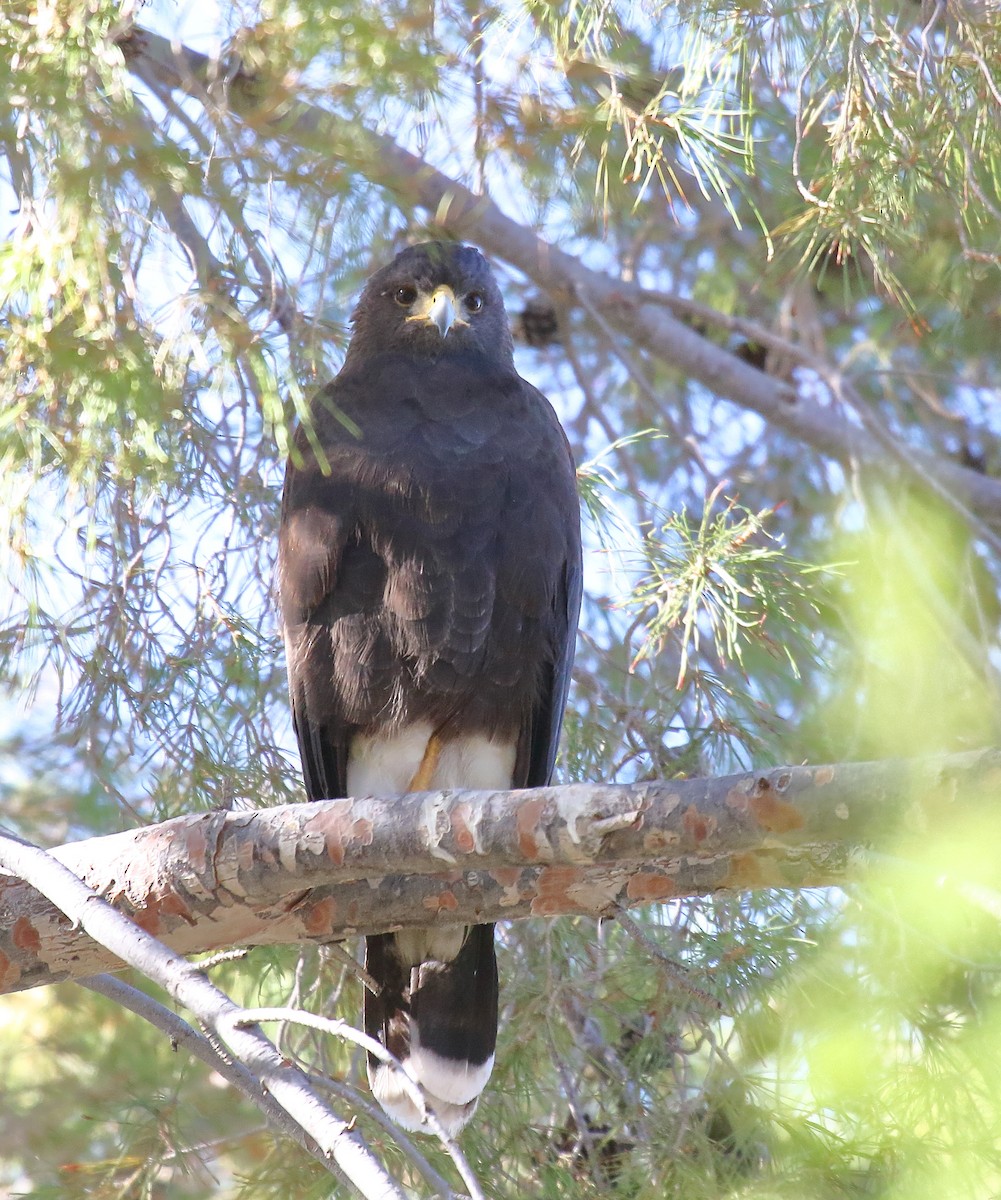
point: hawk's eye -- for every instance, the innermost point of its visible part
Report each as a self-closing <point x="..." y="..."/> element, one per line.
<point x="405" y="295"/>
<point x="475" y="301"/>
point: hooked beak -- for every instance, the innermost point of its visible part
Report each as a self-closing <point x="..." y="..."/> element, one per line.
<point x="440" y="310"/>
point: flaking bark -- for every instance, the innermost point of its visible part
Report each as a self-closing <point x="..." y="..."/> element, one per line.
<point x="321" y="871"/>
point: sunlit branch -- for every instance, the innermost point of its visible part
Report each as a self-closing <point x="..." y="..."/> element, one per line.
<point x="315" y="872"/>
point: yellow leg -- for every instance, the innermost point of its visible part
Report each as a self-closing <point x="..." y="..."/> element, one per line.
<point x="421" y="781"/>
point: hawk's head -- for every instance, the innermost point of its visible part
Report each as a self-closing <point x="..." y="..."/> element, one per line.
<point x="434" y="299"/>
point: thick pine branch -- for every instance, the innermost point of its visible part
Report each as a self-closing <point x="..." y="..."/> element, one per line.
<point x="317" y="872"/>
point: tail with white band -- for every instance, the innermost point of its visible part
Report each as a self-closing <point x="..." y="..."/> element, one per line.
<point x="436" y="1012"/>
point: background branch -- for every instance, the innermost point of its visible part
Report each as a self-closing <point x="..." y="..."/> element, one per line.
<point x="626" y="306"/>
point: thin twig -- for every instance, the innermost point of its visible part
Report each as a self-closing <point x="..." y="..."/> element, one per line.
<point x="183" y="1036"/>
<point x="223" y="956"/>
<point x="351" y="1096"/>
<point x="675" y="969"/>
<point x="628" y="360"/>
<point x="348" y="960"/>
<point x="339" y="1028"/>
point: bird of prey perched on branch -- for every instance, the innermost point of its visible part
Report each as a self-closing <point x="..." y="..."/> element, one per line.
<point x="430" y="578"/>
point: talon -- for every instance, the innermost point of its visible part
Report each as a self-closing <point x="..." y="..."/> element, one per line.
<point x="421" y="781"/>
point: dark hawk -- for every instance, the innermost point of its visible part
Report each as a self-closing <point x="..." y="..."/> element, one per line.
<point x="430" y="578"/>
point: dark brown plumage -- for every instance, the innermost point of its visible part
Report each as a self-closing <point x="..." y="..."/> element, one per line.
<point x="429" y="570"/>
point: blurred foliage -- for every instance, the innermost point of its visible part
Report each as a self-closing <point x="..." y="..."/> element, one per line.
<point x="174" y="281"/>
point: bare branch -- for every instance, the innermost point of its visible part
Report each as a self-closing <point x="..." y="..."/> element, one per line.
<point x="626" y="306"/>
<point x="285" y="1083"/>
<point x="183" y="1036"/>
<point x="341" y="1029"/>
<point x="317" y="872"/>
<point x="360" y="1103"/>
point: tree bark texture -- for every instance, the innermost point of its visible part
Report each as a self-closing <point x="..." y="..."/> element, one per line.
<point x="331" y="869"/>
